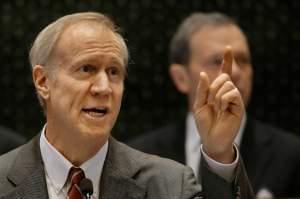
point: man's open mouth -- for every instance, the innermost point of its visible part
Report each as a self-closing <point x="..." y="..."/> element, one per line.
<point x="96" y="112"/>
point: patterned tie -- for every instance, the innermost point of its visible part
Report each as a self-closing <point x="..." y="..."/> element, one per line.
<point x="75" y="176"/>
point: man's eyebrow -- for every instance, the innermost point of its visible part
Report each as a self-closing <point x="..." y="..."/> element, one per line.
<point x="118" y="60"/>
<point x="243" y="53"/>
<point x="216" y="55"/>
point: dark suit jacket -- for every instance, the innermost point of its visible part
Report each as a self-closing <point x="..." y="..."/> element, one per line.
<point x="271" y="157"/>
<point x="9" y="140"/>
<point x="127" y="174"/>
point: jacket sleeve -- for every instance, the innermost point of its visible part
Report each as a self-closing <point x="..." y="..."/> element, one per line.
<point x="215" y="187"/>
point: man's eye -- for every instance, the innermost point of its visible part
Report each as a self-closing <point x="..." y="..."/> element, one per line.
<point x="244" y="61"/>
<point x="217" y="61"/>
<point x="115" y="72"/>
<point x="87" y="68"/>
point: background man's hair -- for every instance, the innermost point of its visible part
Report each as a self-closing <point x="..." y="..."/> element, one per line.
<point x="179" y="46"/>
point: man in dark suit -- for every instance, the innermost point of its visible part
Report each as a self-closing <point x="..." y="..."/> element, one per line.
<point x="271" y="156"/>
<point x="78" y="69"/>
<point x="9" y="140"/>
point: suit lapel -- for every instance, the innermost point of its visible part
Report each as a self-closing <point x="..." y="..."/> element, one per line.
<point x="117" y="177"/>
<point x="27" y="173"/>
<point x="117" y="182"/>
<point x="255" y="151"/>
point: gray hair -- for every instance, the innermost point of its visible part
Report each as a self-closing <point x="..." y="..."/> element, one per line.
<point x="43" y="46"/>
<point x="179" y="47"/>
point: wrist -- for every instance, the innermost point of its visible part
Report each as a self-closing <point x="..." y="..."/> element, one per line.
<point x="224" y="156"/>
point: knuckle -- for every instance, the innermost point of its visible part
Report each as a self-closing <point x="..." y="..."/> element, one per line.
<point x="224" y="98"/>
<point x="212" y="88"/>
<point x="229" y="84"/>
<point x="236" y="91"/>
<point x="225" y="76"/>
<point x="218" y="96"/>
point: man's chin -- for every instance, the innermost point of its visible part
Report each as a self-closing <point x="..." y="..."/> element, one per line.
<point x="96" y="132"/>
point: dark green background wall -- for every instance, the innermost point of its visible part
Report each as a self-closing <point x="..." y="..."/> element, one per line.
<point x="150" y="100"/>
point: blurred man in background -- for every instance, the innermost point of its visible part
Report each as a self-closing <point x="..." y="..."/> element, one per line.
<point x="271" y="156"/>
<point x="9" y="140"/>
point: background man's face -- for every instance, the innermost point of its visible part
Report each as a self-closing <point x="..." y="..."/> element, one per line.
<point x="207" y="48"/>
<point x="86" y="87"/>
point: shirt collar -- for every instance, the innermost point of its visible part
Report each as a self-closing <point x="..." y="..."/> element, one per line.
<point x="57" y="166"/>
<point x="193" y="140"/>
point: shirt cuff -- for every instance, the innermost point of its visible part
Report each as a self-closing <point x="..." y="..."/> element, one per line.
<point x="225" y="171"/>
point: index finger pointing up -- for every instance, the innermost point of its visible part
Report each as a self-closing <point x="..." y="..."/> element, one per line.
<point x="227" y="61"/>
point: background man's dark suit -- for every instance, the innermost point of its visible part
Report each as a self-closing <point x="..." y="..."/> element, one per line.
<point x="127" y="173"/>
<point x="271" y="156"/>
<point x="9" y="140"/>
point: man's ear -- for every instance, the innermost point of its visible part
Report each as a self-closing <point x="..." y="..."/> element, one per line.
<point x="180" y="77"/>
<point x="41" y="81"/>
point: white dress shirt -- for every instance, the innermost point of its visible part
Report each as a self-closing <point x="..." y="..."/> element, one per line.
<point x="193" y="150"/>
<point x="57" y="169"/>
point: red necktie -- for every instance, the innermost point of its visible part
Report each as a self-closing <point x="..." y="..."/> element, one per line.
<point x="75" y="176"/>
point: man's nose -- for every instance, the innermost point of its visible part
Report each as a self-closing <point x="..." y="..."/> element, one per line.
<point x="101" y="84"/>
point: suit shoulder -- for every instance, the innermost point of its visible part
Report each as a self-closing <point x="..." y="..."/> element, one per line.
<point x="149" y="160"/>
<point x="6" y="162"/>
<point x="152" y="141"/>
<point x="9" y="140"/>
<point x="11" y="136"/>
<point x="287" y="142"/>
<point x="155" y="135"/>
<point x="278" y="134"/>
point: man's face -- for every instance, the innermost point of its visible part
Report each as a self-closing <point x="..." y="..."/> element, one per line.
<point x="86" y="85"/>
<point x="207" y="49"/>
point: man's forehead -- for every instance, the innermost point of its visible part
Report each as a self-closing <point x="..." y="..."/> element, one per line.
<point x="87" y="30"/>
<point x="215" y="31"/>
<point x="82" y="36"/>
<point x="216" y="38"/>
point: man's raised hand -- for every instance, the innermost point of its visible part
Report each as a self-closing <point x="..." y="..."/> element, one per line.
<point x="218" y="111"/>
